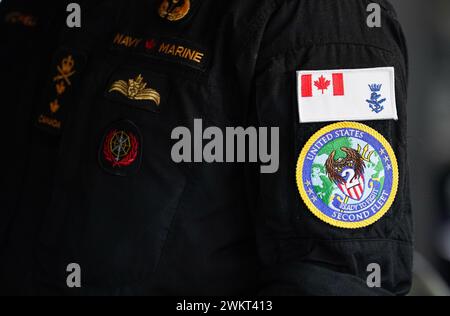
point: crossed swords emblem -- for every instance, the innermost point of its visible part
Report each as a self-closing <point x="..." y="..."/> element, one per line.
<point x="65" y="70"/>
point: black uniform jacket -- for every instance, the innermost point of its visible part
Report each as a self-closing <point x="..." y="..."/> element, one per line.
<point x="143" y="224"/>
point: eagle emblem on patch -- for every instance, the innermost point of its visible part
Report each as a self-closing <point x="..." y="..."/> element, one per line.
<point x="136" y="89"/>
<point x="174" y="10"/>
<point x="340" y="169"/>
<point x="347" y="175"/>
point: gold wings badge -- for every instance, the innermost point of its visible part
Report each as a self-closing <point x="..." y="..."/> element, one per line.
<point x="136" y="89"/>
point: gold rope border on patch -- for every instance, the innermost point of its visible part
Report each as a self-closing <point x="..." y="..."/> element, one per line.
<point x="395" y="175"/>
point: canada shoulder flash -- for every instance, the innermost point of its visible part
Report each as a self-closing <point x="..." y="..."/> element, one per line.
<point x="347" y="175"/>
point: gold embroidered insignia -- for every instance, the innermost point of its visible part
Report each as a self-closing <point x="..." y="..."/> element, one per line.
<point x="65" y="70"/>
<point x="174" y="10"/>
<point x="60" y="88"/>
<point x="54" y="106"/>
<point x="136" y="89"/>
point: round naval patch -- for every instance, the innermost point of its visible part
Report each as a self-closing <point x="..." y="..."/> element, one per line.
<point x="120" y="152"/>
<point x="347" y="175"/>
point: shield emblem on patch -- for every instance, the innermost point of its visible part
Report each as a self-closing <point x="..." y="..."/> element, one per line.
<point x="347" y="172"/>
<point x="353" y="187"/>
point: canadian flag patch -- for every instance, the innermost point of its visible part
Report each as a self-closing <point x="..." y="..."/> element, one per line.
<point x="347" y="95"/>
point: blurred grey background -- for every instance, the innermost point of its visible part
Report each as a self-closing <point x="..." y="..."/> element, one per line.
<point x="427" y="28"/>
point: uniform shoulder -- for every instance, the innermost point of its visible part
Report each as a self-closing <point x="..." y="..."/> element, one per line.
<point x="301" y="23"/>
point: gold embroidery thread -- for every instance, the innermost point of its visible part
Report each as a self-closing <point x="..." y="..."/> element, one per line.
<point x="65" y="70"/>
<point x="54" y="106"/>
<point x="136" y="89"/>
<point x="173" y="10"/>
<point x="60" y="88"/>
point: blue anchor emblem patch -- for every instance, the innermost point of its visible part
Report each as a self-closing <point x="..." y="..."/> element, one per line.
<point x="376" y="105"/>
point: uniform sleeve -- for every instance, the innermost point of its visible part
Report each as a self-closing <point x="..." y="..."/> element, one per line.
<point x="301" y="253"/>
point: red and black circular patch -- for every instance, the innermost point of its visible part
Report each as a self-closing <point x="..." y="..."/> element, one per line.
<point x="121" y="149"/>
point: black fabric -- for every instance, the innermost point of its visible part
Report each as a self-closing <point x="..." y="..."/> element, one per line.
<point x="334" y="36"/>
<point x="211" y="229"/>
<point x="30" y="33"/>
<point x="17" y="39"/>
<point x="28" y="38"/>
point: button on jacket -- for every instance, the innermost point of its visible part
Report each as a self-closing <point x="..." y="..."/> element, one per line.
<point x="138" y="223"/>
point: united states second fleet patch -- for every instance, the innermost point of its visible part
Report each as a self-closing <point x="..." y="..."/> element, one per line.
<point x="347" y="175"/>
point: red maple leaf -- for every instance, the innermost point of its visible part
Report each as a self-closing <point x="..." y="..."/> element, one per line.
<point x="150" y="44"/>
<point x="322" y="84"/>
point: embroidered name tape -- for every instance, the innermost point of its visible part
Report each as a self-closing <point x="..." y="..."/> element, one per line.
<point x="126" y="41"/>
<point x="347" y="95"/>
<point x="173" y="50"/>
<point x="177" y="51"/>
